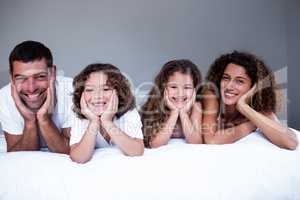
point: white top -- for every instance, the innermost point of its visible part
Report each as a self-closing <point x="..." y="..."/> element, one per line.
<point x="13" y="122"/>
<point x="130" y="123"/>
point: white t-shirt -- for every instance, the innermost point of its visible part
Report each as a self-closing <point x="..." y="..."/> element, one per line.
<point x="130" y="123"/>
<point x="12" y="121"/>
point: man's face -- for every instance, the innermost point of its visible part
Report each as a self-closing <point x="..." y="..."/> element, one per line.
<point x="32" y="81"/>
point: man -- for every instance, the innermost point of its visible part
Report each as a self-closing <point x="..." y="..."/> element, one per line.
<point x="35" y="105"/>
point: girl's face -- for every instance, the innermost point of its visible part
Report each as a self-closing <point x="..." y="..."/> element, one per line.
<point x="180" y="88"/>
<point x="97" y="93"/>
<point x="234" y="83"/>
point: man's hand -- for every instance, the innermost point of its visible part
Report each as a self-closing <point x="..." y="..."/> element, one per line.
<point x="48" y="107"/>
<point x="27" y="114"/>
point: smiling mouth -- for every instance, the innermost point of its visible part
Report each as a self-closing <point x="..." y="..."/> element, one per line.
<point x="32" y="97"/>
<point x="99" y="104"/>
<point x="229" y="94"/>
<point x="179" y="100"/>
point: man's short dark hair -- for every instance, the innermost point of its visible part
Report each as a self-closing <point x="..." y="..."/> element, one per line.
<point x="29" y="51"/>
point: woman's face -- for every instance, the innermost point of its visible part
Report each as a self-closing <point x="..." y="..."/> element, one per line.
<point x="234" y="83"/>
<point x="180" y="88"/>
<point x="97" y="93"/>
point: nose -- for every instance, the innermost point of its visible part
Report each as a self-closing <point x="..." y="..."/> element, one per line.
<point x="31" y="85"/>
<point x="230" y="85"/>
<point x="181" y="92"/>
<point x="98" y="94"/>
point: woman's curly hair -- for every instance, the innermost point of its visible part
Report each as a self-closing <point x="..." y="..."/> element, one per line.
<point x="154" y="112"/>
<point x="115" y="79"/>
<point x="264" y="100"/>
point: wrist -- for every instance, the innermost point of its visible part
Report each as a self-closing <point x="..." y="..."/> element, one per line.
<point x="93" y="127"/>
<point x="174" y="113"/>
<point x="242" y="107"/>
<point x="30" y="123"/>
<point x="44" y="119"/>
<point x="108" y="126"/>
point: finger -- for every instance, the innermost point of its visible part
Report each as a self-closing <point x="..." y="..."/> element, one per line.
<point x="15" y="95"/>
<point x="116" y="102"/>
<point x="83" y="103"/>
<point x="19" y="104"/>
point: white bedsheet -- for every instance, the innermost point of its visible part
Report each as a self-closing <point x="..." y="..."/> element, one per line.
<point x="252" y="168"/>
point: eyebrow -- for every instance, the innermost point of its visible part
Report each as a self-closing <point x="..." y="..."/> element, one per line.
<point x="240" y="77"/>
<point x="21" y="75"/>
<point x="91" y="85"/>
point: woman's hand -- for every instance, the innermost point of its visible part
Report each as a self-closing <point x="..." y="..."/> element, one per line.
<point x="246" y="98"/>
<point x="111" y="109"/>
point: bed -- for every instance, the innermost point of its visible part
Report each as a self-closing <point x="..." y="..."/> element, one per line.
<point x="252" y="168"/>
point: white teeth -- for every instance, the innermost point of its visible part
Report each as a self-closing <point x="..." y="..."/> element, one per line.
<point x="99" y="104"/>
<point x="179" y="99"/>
<point x="229" y="94"/>
<point x="31" y="96"/>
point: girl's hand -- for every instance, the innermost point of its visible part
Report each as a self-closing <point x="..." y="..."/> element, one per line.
<point x="187" y="107"/>
<point x="246" y="98"/>
<point x="169" y="103"/>
<point x="86" y="111"/>
<point x="112" y="108"/>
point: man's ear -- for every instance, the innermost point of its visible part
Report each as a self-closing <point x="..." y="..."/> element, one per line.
<point x="11" y="79"/>
<point x="53" y="72"/>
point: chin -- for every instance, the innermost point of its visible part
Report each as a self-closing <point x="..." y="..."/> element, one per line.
<point x="98" y="112"/>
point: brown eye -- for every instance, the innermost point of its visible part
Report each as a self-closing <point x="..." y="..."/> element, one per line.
<point x="240" y="82"/>
<point x="88" y="90"/>
<point x="225" y="78"/>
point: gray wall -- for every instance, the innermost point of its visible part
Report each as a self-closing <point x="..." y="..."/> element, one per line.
<point x="140" y="35"/>
<point x="293" y="49"/>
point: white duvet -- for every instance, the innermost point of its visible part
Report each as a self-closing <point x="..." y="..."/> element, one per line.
<point x="252" y="168"/>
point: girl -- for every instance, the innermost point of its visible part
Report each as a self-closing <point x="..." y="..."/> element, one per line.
<point x="171" y="110"/>
<point x="105" y="113"/>
<point x="243" y="99"/>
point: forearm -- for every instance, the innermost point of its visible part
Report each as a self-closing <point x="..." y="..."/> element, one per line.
<point x="229" y="135"/>
<point x="83" y="151"/>
<point x="164" y="134"/>
<point x="55" y="141"/>
<point x="29" y="140"/>
<point x="191" y="129"/>
<point x="128" y="145"/>
<point x="278" y="134"/>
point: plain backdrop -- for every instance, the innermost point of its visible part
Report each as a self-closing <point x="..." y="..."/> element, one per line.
<point x="139" y="36"/>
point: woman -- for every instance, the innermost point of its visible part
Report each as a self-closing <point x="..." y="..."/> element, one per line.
<point x="239" y="98"/>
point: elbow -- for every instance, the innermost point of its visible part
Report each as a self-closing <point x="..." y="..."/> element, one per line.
<point x="138" y="152"/>
<point x="154" y="144"/>
<point x="194" y="140"/>
<point x="208" y="139"/>
<point x="292" y="144"/>
<point x="79" y="160"/>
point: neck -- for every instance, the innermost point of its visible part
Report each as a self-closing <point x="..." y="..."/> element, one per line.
<point x="230" y="112"/>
